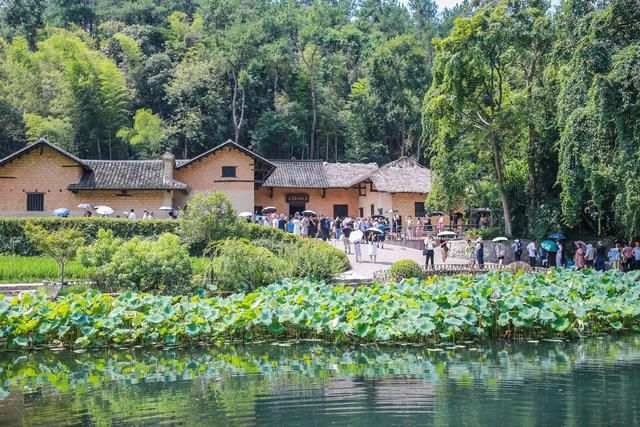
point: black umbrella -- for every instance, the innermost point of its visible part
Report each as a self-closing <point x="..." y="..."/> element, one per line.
<point x="268" y="210"/>
<point x="309" y="213"/>
<point x="377" y="216"/>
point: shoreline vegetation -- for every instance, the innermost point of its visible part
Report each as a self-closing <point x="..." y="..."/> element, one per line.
<point x="559" y="304"/>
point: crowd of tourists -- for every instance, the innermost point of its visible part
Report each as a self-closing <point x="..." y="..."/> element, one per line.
<point x="372" y="231"/>
<point x="580" y="255"/>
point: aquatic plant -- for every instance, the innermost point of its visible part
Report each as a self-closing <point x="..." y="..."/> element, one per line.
<point x="552" y="304"/>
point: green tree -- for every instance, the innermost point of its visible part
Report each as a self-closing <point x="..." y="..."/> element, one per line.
<point x="210" y="217"/>
<point x="469" y="102"/>
<point x="60" y="245"/>
<point x="147" y="134"/>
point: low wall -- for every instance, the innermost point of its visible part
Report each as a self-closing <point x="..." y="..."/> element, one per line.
<point x="457" y="249"/>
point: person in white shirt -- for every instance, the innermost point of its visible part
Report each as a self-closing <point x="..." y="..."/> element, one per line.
<point x="589" y="256"/>
<point x="500" y="253"/>
<point x="429" y="245"/>
<point x="132" y="215"/>
<point x="532" y="248"/>
<point x="636" y="255"/>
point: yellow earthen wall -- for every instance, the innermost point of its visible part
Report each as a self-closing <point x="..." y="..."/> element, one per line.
<point x="322" y="206"/>
<point x="34" y="172"/>
<point x="376" y="198"/>
<point x="205" y="175"/>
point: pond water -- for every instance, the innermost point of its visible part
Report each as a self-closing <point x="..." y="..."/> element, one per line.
<point x="589" y="382"/>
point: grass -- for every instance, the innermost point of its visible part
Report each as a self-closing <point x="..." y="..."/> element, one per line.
<point x="18" y="269"/>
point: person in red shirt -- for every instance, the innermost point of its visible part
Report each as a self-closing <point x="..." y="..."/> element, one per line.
<point x="627" y="258"/>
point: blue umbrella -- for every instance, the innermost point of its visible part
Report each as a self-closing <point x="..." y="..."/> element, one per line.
<point x="557" y="236"/>
<point x="61" y="212"/>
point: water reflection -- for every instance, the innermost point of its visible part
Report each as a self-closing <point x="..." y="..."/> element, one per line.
<point x="589" y="382"/>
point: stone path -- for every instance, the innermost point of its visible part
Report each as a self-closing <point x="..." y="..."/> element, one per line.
<point x="386" y="257"/>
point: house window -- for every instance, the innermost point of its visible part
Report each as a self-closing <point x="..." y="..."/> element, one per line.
<point x="228" y="171"/>
<point x="361" y="211"/>
<point x="420" y="209"/>
<point x="35" y="201"/>
<point x="373" y="210"/>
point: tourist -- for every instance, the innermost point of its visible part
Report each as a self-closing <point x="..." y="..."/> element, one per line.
<point x="297" y="224"/>
<point x="578" y="259"/>
<point x="429" y="245"/>
<point x="381" y="236"/>
<point x="275" y="220"/>
<point x="337" y="223"/>
<point x="532" y="249"/>
<point x="614" y="257"/>
<point x="125" y="214"/>
<point x="324" y="227"/>
<point x="636" y="253"/>
<point x="589" y="256"/>
<point x="87" y="214"/>
<point x="560" y="255"/>
<point x="440" y="223"/>
<point x="627" y="258"/>
<point x="304" y="227"/>
<point x="517" y="249"/>
<point x="151" y="215"/>
<point x="356" y="249"/>
<point x="409" y="226"/>
<point x="601" y="253"/>
<point x="470" y="252"/>
<point x="282" y="222"/>
<point x="500" y="253"/>
<point x="428" y="223"/>
<point x="132" y="215"/>
<point x="480" y="252"/>
<point x="372" y="241"/>
<point x="419" y="227"/>
<point x="444" y="250"/>
<point x="346" y="233"/>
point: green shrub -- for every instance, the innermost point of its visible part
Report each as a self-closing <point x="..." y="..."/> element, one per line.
<point x="259" y="232"/>
<point x="210" y="217"/>
<point x="405" y="269"/>
<point x="314" y="258"/>
<point x="240" y="266"/>
<point x="159" y="266"/>
<point x="13" y="240"/>
<point x="74" y="289"/>
<point x="485" y="233"/>
<point x="100" y="252"/>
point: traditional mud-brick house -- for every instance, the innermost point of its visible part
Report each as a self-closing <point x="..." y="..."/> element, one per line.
<point x="42" y="177"/>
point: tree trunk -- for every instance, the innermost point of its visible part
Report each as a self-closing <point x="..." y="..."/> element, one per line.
<point x="62" y="272"/>
<point x="531" y="152"/>
<point x="313" y="107"/>
<point x="275" y="86"/>
<point x="503" y="196"/>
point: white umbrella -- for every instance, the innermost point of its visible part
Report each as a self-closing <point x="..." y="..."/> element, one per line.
<point x="500" y="239"/>
<point x="245" y="214"/>
<point x="104" y="210"/>
<point x="85" y="206"/>
<point x="375" y="230"/>
<point x="391" y="210"/>
<point x="355" y="236"/>
<point x="166" y="208"/>
<point x="268" y="210"/>
<point x="309" y="213"/>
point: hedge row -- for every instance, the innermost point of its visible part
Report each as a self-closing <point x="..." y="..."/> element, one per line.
<point x="14" y="242"/>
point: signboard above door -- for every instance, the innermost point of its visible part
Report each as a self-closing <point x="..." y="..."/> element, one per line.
<point x="297" y="197"/>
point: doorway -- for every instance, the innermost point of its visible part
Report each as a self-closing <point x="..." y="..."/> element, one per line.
<point x="296" y="207"/>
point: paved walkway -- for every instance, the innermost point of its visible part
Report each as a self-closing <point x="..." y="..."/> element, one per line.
<point x="386" y="257"/>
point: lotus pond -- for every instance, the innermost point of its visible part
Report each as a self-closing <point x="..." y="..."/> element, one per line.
<point x="593" y="381"/>
<point x="560" y="303"/>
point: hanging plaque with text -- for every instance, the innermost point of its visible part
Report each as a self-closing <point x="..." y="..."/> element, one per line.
<point x="296" y="197"/>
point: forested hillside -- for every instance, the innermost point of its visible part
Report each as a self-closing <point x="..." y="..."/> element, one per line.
<point x="118" y="79"/>
<point x="513" y="104"/>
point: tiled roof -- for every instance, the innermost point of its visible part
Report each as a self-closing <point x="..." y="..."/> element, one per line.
<point x="400" y="176"/>
<point x="297" y="174"/>
<point x="341" y="175"/>
<point x="125" y="175"/>
<point x="42" y="142"/>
